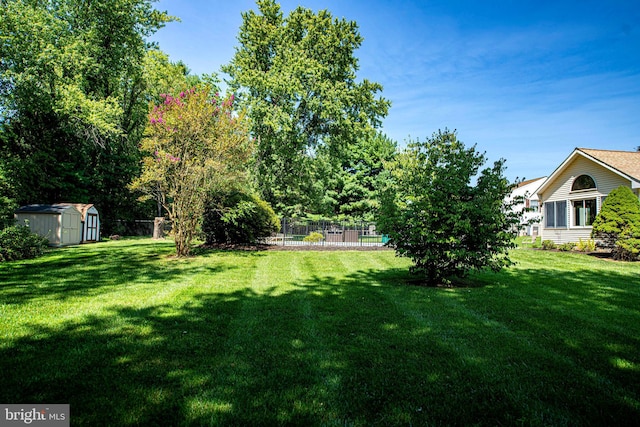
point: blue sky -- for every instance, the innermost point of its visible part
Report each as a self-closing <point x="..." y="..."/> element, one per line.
<point x="527" y="81"/>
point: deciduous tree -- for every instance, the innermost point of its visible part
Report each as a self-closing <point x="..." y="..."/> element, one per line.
<point x="194" y="144"/>
<point x="297" y="77"/>
<point x="445" y="213"/>
<point x="72" y="104"/>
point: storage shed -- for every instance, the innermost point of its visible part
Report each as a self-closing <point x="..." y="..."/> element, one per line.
<point x="62" y="223"/>
<point x="90" y="222"/>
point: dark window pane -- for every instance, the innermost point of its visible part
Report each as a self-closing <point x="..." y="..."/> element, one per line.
<point x="590" y="211"/>
<point x="583" y="182"/>
<point x="578" y="213"/>
<point x="561" y="214"/>
<point x="550" y="214"/>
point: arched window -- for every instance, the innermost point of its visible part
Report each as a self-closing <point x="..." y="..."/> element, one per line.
<point x="583" y="182"/>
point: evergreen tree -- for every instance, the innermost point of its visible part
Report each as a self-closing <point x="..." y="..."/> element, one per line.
<point x="618" y="221"/>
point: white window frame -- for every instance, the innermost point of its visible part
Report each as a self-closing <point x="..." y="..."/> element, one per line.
<point x="573" y="216"/>
<point x="555" y="217"/>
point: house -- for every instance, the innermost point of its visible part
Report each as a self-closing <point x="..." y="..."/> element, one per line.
<point x="62" y="223"/>
<point x="530" y="220"/>
<point x="573" y="194"/>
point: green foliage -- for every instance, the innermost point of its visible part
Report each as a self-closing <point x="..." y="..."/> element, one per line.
<point x="313" y="237"/>
<point x="297" y="77"/>
<point x="620" y="210"/>
<point x="72" y="103"/>
<point x="194" y="144"/>
<point x="627" y="247"/>
<point x="350" y="180"/>
<point x="435" y="214"/>
<point x="566" y="247"/>
<point x="7" y="201"/>
<point x="18" y="242"/>
<point x="588" y="245"/>
<point x="236" y="217"/>
<point x="549" y="245"/>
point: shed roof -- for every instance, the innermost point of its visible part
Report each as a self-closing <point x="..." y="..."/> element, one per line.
<point x="82" y="207"/>
<point x="57" y="208"/>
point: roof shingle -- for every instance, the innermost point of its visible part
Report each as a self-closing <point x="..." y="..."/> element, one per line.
<point x="627" y="162"/>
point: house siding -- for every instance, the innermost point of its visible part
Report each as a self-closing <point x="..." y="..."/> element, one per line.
<point x="530" y="221"/>
<point x="560" y="190"/>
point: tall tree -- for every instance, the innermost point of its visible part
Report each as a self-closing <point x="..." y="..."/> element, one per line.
<point x="194" y="144"/>
<point x="71" y="97"/>
<point x="297" y="77"/>
<point x="445" y="213"/>
<point x="351" y="179"/>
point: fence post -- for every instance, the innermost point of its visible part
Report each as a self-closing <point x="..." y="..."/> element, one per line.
<point x="284" y="230"/>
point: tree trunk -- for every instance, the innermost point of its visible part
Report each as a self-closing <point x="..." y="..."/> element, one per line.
<point x="158" y="228"/>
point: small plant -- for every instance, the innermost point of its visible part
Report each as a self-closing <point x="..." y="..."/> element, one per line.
<point x="313" y="237"/>
<point x="566" y="247"/>
<point x="588" y="245"/>
<point x="548" y="245"/>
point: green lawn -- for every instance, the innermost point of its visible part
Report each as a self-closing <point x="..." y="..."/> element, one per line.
<point x="129" y="336"/>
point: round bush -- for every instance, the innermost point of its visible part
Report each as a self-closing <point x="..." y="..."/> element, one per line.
<point x="620" y="211"/>
<point x="238" y="217"/>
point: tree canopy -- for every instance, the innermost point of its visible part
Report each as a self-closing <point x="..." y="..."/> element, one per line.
<point x="72" y="102"/>
<point x="297" y="78"/>
<point x="194" y="144"/>
<point x="444" y="212"/>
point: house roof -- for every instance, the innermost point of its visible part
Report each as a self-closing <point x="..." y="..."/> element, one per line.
<point x="624" y="163"/>
<point x="529" y="181"/>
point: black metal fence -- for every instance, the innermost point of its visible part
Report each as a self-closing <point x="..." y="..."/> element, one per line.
<point x="296" y="232"/>
<point x="138" y="227"/>
<point x="293" y="232"/>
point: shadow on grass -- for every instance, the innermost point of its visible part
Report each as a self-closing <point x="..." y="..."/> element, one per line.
<point x="90" y="270"/>
<point x="359" y="350"/>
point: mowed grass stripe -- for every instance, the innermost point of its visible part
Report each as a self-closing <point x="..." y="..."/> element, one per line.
<point x="318" y="338"/>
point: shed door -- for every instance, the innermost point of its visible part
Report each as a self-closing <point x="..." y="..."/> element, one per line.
<point x="92" y="227"/>
<point x="70" y="228"/>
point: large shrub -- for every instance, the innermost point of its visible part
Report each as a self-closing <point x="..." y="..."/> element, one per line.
<point x="18" y="242"/>
<point x="620" y="210"/>
<point x="238" y="217"/>
<point x="617" y="225"/>
<point x="446" y="214"/>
